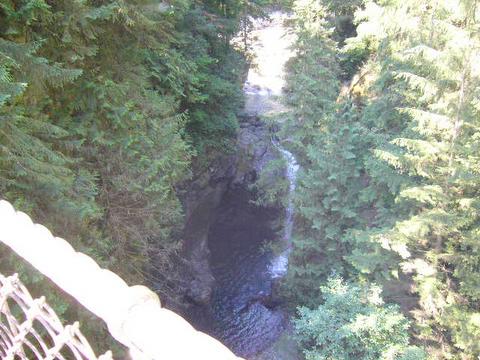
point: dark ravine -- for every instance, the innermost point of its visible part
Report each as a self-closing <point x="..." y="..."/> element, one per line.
<point x="231" y="295"/>
<point x="226" y="175"/>
<point x="203" y="197"/>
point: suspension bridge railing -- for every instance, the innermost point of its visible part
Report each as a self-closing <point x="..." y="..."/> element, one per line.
<point x="30" y="329"/>
<point x="133" y="314"/>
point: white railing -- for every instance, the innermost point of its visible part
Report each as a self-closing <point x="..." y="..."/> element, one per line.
<point x="133" y="314"/>
<point x="31" y="330"/>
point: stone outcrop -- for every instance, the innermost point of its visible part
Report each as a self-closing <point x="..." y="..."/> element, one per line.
<point x="204" y="195"/>
<point x="255" y="149"/>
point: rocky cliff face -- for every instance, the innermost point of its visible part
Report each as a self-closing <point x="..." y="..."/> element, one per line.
<point x="254" y="150"/>
<point x="203" y="196"/>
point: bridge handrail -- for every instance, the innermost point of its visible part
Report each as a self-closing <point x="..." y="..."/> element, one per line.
<point x="133" y="314"/>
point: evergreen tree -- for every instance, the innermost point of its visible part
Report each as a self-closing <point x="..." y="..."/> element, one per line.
<point x="431" y="172"/>
<point x="354" y="323"/>
<point x="409" y="189"/>
<point x="106" y="107"/>
<point x="324" y="136"/>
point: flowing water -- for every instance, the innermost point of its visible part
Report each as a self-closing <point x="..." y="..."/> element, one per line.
<point x="279" y="265"/>
<point x="243" y="314"/>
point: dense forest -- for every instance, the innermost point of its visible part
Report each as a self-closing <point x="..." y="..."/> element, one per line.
<point x="385" y="124"/>
<point x="108" y="108"/>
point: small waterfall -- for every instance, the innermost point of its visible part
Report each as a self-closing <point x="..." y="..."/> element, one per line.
<point x="279" y="265"/>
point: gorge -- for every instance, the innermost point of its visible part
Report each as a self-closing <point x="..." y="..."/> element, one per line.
<point x="237" y="269"/>
<point x="303" y="186"/>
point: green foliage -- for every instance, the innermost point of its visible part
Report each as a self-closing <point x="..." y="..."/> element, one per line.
<point x="104" y="107"/>
<point x="329" y="144"/>
<point x="435" y="99"/>
<point x="312" y="83"/>
<point x="354" y="323"/>
<point x="272" y="186"/>
<point x="407" y="203"/>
